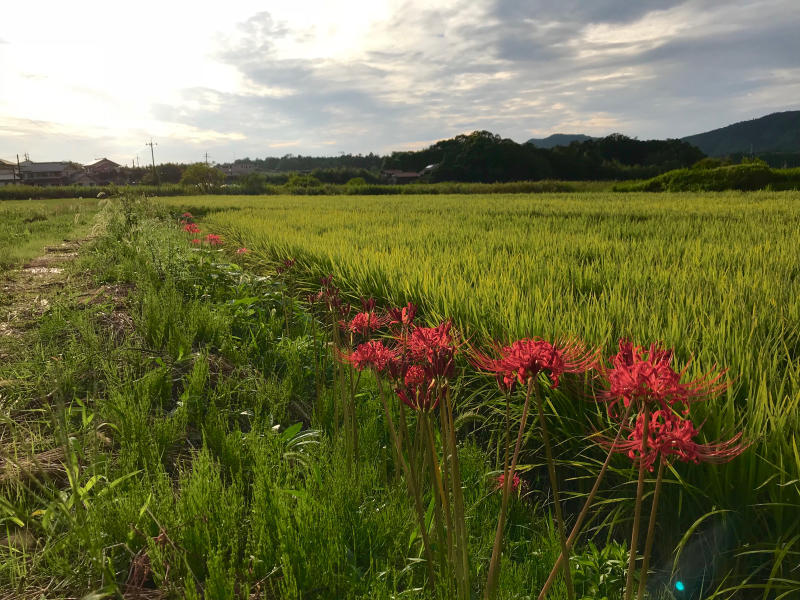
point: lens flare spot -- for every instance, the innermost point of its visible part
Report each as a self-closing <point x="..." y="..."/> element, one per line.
<point x="679" y="586"/>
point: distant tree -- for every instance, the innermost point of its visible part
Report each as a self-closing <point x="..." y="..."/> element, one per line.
<point x="170" y="172"/>
<point x="202" y="174"/>
<point x="253" y="183"/>
<point x="343" y="175"/>
<point x="710" y="163"/>
<point x="167" y="173"/>
<point x="303" y="181"/>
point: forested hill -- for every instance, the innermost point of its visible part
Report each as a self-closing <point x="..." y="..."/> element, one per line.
<point x="559" y="139"/>
<point x="775" y="133"/>
<point x="484" y="156"/>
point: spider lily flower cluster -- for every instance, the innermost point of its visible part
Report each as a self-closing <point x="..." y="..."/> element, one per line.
<point x="188" y="225"/>
<point x="644" y="381"/>
<point x="516" y="482"/>
<point x="413" y="366"/>
<point x="416" y="367"/>
<point x="521" y="363"/>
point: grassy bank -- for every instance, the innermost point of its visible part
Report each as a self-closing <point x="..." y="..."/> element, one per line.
<point x="26" y="227"/>
<point x="742" y="177"/>
<point x="166" y="435"/>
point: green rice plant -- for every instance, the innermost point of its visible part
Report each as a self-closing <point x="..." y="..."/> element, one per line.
<point x="712" y="275"/>
<point x="209" y="412"/>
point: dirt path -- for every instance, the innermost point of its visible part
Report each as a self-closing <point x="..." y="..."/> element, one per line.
<point x="27" y="292"/>
<point x="28" y="451"/>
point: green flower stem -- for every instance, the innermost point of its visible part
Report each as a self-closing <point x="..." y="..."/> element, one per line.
<point x="443" y="506"/>
<point x="458" y="502"/>
<point x="651" y="528"/>
<point x="493" y="577"/>
<point x="585" y="510"/>
<point x="551" y="467"/>
<point x="637" y="512"/>
<point x="413" y="490"/>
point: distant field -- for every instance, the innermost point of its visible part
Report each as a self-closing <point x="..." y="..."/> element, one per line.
<point x="26" y="226"/>
<point x="715" y="275"/>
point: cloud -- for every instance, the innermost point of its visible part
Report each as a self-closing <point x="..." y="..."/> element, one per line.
<point x="404" y="74"/>
<point x="48" y="140"/>
<point x="513" y="67"/>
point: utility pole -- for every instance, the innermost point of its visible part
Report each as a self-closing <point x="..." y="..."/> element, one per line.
<point x="206" y="158"/>
<point x="18" y="172"/>
<point x="152" y="156"/>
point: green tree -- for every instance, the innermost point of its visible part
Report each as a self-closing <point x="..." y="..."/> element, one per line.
<point x="202" y="174"/>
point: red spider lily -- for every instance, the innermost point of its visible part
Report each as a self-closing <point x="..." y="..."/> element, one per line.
<point x="364" y="323"/>
<point x="416" y="376"/>
<point x="196" y="241"/>
<point x="285" y="266"/>
<point x="516" y="482"/>
<point x="639" y="375"/>
<point x="242" y="251"/>
<point x="670" y="435"/>
<point x="368" y="304"/>
<point x="435" y="346"/>
<point x="371" y="355"/>
<point x="419" y="390"/>
<point x="191" y="228"/>
<point x="187" y="214"/>
<point x="330" y="295"/>
<point x="213" y="240"/>
<point x="528" y="357"/>
<point x="402" y="316"/>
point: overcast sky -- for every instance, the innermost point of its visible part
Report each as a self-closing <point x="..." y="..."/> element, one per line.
<point x="89" y="79"/>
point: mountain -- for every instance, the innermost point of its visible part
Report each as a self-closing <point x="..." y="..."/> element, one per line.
<point x="777" y="132"/>
<point x="558" y="139"/>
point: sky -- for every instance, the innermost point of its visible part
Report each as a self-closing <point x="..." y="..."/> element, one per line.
<point x="80" y="81"/>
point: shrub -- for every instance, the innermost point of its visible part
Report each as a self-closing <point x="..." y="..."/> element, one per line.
<point x="743" y="177"/>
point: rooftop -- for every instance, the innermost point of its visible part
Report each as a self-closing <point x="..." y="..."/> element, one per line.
<point x="40" y="167"/>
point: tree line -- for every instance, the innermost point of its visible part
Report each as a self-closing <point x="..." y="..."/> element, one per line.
<point x="480" y="157"/>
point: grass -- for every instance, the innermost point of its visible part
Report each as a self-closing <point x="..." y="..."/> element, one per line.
<point x="161" y="429"/>
<point x="713" y="275"/>
<point x="26" y="226"/>
<point x="160" y="434"/>
<point x="23" y="192"/>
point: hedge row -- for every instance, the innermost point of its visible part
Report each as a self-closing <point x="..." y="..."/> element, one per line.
<point x="745" y="177"/>
<point x="24" y="192"/>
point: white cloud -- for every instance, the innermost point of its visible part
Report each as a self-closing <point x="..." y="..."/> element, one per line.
<point x="366" y="76"/>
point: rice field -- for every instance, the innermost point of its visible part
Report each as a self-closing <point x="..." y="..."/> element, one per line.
<point x="715" y="276"/>
<point x="187" y="377"/>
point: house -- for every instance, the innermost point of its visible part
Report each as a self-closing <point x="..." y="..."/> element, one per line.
<point x="397" y="176"/>
<point x="103" y="172"/>
<point x="83" y="179"/>
<point x="47" y="173"/>
<point x="8" y="172"/>
<point x="239" y="169"/>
